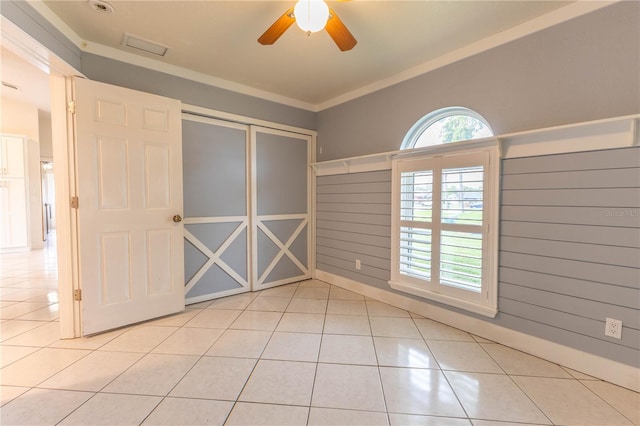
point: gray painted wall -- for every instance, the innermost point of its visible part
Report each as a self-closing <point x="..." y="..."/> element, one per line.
<point x="31" y="22"/>
<point x="569" y="244"/>
<point x="577" y="71"/>
<point x="126" y="75"/>
<point x="581" y="70"/>
<point x="353" y="221"/>
<point x="570" y="249"/>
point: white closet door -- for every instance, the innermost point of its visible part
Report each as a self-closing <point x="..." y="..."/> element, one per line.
<point x="281" y="207"/>
<point x="215" y="162"/>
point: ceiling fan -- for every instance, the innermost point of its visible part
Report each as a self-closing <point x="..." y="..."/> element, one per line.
<point x="311" y="16"/>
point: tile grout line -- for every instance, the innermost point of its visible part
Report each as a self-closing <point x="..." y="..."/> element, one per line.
<point x="516" y="384"/>
<point x="272" y="333"/>
<point x="375" y="351"/>
<point x="604" y="400"/>
<point x="464" y="410"/>
<point x="315" y="373"/>
<point x="188" y="370"/>
<point x="237" y="398"/>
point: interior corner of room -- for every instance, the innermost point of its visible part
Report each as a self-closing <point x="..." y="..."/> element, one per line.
<point x="563" y="101"/>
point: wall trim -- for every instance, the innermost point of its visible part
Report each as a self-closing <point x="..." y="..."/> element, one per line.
<point x="198" y="111"/>
<point x="175" y="70"/>
<point x="207" y="297"/>
<point x="555" y="17"/>
<point x="153" y="64"/>
<point x="532" y="26"/>
<point x="27" y="48"/>
<point x="611" y="371"/>
<point x="66" y="218"/>
<point x="609" y="133"/>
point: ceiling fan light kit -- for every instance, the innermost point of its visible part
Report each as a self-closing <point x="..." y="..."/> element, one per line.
<point x="311" y="16"/>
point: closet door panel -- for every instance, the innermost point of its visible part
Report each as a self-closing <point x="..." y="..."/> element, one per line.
<point x="281" y="172"/>
<point x="215" y="170"/>
<point x="215" y="158"/>
<point x="281" y="207"/>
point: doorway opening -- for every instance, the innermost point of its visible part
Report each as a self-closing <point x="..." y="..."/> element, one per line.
<point x="48" y="200"/>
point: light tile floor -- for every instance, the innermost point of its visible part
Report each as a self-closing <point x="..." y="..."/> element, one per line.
<point x="304" y="353"/>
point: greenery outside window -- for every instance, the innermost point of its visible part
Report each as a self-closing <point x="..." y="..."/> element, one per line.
<point x="447" y="125"/>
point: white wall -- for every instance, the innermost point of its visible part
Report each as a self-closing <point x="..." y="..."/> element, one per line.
<point x="19" y="119"/>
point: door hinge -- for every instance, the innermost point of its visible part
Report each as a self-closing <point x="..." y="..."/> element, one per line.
<point x="74" y="202"/>
<point x="71" y="106"/>
<point x="77" y="295"/>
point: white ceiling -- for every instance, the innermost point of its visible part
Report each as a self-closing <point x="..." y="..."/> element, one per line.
<point x="218" y="38"/>
<point x="216" y="42"/>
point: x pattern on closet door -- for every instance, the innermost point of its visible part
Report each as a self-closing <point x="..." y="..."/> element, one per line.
<point x="281" y="207"/>
<point x="246" y="207"/>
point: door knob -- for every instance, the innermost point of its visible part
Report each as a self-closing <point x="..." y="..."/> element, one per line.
<point x="177" y="218"/>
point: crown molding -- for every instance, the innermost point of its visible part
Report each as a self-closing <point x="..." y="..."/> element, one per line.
<point x="177" y="71"/>
<point x="154" y="64"/>
<point x="22" y="44"/>
<point x="558" y="16"/>
<point x="540" y="23"/>
<point x="54" y="20"/>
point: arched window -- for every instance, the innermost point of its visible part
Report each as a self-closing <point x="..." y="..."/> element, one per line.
<point x="444" y="214"/>
<point x="446" y="125"/>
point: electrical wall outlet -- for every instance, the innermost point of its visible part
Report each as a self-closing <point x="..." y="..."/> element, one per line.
<point x="358" y="265"/>
<point x="613" y="328"/>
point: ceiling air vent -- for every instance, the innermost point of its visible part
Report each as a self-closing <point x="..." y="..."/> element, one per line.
<point x="145" y="45"/>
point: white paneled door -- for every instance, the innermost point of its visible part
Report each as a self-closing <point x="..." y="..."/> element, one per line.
<point x="129" y="186"/>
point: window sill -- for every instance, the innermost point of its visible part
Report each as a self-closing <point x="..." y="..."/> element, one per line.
<point x="484" y="310"/>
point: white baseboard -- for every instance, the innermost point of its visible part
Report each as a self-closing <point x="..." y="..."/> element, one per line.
<point x="611" y="371"/>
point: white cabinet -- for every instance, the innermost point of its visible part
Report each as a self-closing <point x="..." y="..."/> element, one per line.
<point x="12" y="158"/>
<point x="14" y="201"/>
<point x="13" y="205"/>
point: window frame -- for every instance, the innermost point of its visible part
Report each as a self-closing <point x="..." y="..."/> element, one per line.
<point x="412" y="136"/>
<point x="487" y="153"/>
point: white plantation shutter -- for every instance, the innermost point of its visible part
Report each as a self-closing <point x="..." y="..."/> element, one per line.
<point x="416" y="195"/>
<point x="462" y="230"/>
<point x="442" y="210"/>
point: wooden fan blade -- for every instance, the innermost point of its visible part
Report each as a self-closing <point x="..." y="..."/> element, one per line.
<point x="339" y="32"/>
<point x="278" y="28"/>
